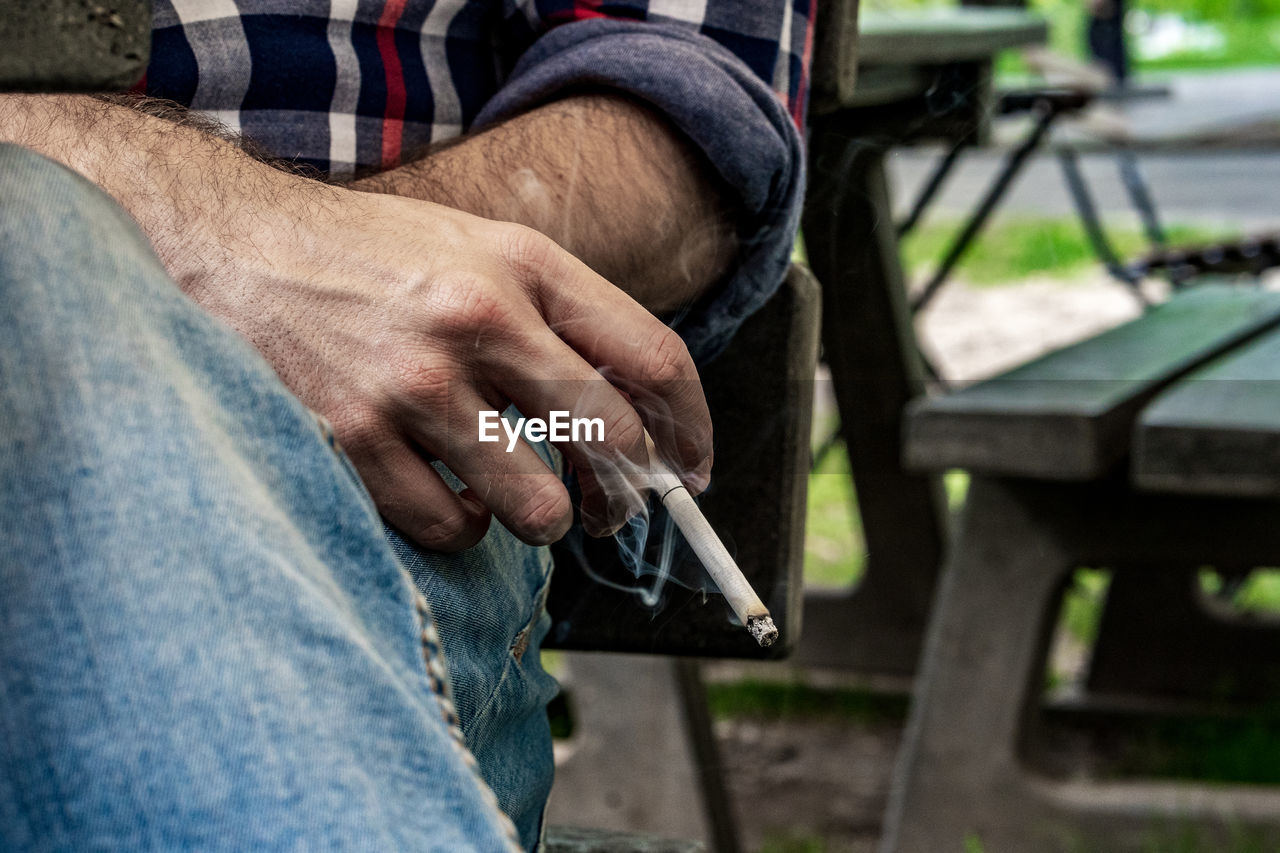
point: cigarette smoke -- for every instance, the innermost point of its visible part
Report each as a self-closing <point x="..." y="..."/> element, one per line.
<point x="648" y="545"/>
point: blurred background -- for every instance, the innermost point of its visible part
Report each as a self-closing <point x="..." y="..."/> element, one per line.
<point x="1196" y="83"/>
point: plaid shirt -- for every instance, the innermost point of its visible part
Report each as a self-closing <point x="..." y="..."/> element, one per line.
<point x="346" y="85"/>
<point x="353" y="84"/>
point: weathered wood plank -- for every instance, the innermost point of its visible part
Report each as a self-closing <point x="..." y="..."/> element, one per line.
<point x="835" y="52"/>
<point x="939" y="36"/>
<point x="1069" y="415"/>
<point x="73" y="46"/>
<point x="1217" y="431"/>
<point x="899" y="55"/>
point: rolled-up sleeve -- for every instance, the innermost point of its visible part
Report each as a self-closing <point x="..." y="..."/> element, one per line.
<point x="731" y="76"/>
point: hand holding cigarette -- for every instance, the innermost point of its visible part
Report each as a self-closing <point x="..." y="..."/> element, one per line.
<point x="710" y="550"/>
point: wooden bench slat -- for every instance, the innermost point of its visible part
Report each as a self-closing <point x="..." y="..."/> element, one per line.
<point x="73" y="46"/>
<point x="938" y="36"/>
<point x="1069" y="414"/>
<point x="1218" y="430"/>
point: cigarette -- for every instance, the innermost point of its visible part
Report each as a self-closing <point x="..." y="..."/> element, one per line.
<point x="710" y="550"/>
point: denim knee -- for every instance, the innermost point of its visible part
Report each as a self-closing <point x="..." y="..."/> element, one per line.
<point x="209" y="642"/>
<point x="72" y="261"/>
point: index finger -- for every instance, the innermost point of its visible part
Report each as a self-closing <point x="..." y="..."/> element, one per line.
<point x="636" y="352"/>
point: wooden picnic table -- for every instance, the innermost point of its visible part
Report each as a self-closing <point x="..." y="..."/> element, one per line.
<point x="900" y="52"/>
<point x="920" y="76"/>
<point x="1152" y="450"/>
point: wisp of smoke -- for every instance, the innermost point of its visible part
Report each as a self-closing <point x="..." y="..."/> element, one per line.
<point x="648" y="545"/>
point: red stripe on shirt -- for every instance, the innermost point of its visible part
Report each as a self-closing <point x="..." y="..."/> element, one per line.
<point x="577" y="13"/>
<point x="578" y="10"/>
<point x="393" y="115"/>
<point x="802" y="91"/>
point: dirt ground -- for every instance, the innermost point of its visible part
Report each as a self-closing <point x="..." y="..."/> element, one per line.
<point x="975" y="332"/>
<point x="808" y="780"/>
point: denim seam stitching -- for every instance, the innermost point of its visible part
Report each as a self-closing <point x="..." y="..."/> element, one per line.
<point x="438" y="677"/>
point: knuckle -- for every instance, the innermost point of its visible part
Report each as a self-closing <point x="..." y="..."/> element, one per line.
<point x="424" y="381"/>
<point x="667" y="360"/>
<point x="545" y="514"/>
<point x="360" y="430"/>
<point x="624" y="429"/>
<point x="454" y="530"/>
<point x="473" y="306"/>
<point x="526" y="251"/>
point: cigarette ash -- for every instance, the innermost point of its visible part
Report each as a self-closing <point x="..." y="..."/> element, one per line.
<point x="763" y="630"/>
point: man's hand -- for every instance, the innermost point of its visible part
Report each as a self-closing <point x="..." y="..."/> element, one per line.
<point x="606" y="177"/>
<point x="398" y="320"/>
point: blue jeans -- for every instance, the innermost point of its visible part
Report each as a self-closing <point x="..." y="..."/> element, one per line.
<point x="206" y="638"/>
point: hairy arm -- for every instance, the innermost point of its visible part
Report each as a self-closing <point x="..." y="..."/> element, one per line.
<point x="604" y="176"/>
<point x="399" y="320"/>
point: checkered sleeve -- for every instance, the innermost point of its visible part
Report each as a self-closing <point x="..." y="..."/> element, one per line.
<point x="731" y="74"/>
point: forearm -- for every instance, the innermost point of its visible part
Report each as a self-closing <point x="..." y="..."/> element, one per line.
<point x="185" y="185"/>
<point x="396" y="319"/>
<point x="605" y="177"/>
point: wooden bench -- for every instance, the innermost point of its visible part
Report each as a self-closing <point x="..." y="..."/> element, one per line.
<point x="1151" y="450"/>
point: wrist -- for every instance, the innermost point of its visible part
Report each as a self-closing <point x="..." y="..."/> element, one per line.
<point x="436" y="178"/>
<point x="605" y="177"/>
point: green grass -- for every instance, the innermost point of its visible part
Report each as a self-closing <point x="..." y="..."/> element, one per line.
<point x="1258" y="594"/>
<point x="1250" y="34"/>
<point x="1009" y="251"/>
<point x="834" y="551"/>
<point x="1246" y="42"/>
<point x="1013" y="250"/>
<point x="768" y="700"/>
<point x="1082" y="604"/>
<point x="1189" y="838"/>
<point x="1244" y="751"/>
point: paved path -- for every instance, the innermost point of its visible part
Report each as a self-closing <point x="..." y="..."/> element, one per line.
<point x="1234" y="189"/>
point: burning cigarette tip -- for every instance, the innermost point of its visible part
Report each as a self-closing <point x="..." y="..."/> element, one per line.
<point x="763" y="629"/>
<point x="728" y="578"/>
